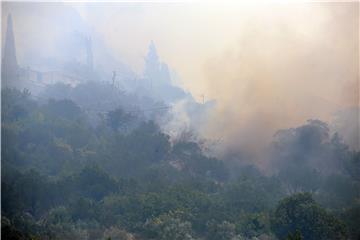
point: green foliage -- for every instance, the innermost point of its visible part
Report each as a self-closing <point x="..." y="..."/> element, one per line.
<point x="351" y="216"/>
<point x="253" y="224"/>
<point x="338" y="191"/>
<point x="295" y="236"/>
<point x="83" y="209"/>
<point x="304" y="155"/>
<point x="168" y="226"/>
<point x="300" y="212"/>
<point x="352" y="166"/>
<point x="114" y="233"/>
<point x="300" y="178"/>
<point x="62" y="109"/>
<point x="64" y="178"/>
<point x="15" y="104"/>
<point x="221" y="231"/>
<point x="10" y="232"/>
<point x="252" y="195"/>
<point x="189" y="156"/>
<point x="93" y="183"/>
<point x="118" y="119"/>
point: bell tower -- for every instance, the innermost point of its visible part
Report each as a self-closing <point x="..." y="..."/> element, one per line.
<point x="9" y="66"/>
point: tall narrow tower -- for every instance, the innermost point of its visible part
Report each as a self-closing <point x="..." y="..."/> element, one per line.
<point x="152" y="62"/>
<point x="89" y="54"/>
<point x="9" y="67"/>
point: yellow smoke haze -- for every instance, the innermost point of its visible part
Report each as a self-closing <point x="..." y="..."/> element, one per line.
<point x="269" y="65"/>
<point x="292" y="63"/>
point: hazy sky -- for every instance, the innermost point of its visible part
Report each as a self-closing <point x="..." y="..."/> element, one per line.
<point x="316" y="40"/>
<point x="268" y="65"/>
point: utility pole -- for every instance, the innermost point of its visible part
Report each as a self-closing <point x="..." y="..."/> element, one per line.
<point x="203" y="98"/>
<point x="113" y="78"/>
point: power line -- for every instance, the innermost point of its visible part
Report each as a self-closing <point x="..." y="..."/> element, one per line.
<point x="131" y="111"/>
<point x="106" y="111"/>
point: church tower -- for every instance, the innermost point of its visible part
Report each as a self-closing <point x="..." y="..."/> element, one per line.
<point x="89" y="54"/>
<point x="9" y="66"/>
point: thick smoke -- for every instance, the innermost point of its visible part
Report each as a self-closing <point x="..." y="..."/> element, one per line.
<point x="292" y="63"/>
<point x="267" y="66"/>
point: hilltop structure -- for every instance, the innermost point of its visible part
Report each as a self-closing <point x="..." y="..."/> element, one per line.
<point x="15" y="76"/>
<point x="158" y="78"/>
<point x="9" y="64"/>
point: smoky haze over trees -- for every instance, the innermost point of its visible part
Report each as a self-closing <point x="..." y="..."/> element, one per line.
<point x="93" y="148"/>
